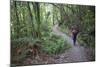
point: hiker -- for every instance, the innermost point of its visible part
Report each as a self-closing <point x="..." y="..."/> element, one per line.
<point x="74" y="31"/>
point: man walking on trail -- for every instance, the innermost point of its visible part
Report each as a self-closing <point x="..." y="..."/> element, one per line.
<point x="74" y="31"/>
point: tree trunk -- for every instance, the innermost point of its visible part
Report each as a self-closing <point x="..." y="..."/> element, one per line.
<point x="17" y="19"/>
<point x="32" y="21"/>
<point x="37" y="16"/>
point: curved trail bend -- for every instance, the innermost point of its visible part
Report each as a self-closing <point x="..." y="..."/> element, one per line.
<point x="74" y="54"/>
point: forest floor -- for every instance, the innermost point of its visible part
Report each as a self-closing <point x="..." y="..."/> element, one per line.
<point x="76" y="53"/>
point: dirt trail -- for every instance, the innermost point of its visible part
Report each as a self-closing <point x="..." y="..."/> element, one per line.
<point x="75" y="54"/>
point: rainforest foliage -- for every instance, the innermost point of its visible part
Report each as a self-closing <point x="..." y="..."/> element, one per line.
<point x="32" y="23"/>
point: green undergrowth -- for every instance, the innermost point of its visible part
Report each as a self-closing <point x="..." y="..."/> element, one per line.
<point x="55" y="45"/>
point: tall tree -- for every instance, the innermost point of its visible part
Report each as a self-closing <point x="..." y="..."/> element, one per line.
<point x="17" y="19"/>
<point x="36" y="6"/>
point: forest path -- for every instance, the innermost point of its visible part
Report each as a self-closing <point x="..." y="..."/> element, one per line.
<point x="74" y="54"/>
